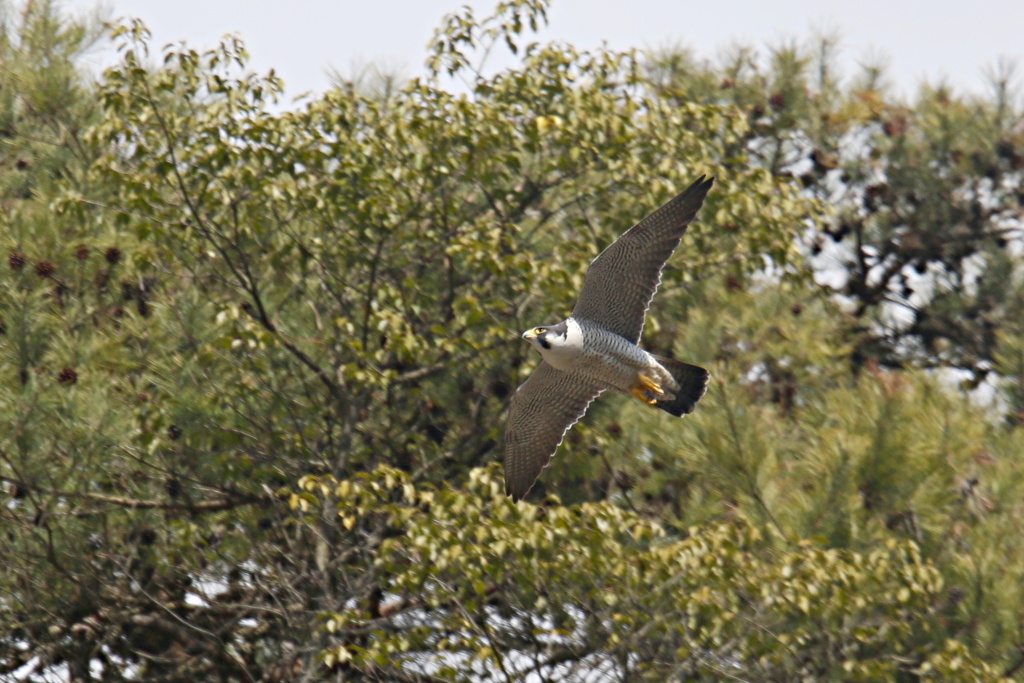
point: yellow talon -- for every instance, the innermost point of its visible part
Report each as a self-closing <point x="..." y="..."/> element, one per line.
<point x="649" y="384"/>
<point x="641" y="393"/>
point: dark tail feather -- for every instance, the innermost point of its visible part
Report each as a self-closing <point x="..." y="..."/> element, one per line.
<point x="693" y="382"/>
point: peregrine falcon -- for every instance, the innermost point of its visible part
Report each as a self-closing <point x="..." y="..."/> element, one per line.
<point x="596" y="347"/>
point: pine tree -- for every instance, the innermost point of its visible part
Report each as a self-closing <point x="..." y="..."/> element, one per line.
<point x="255" y="367"/>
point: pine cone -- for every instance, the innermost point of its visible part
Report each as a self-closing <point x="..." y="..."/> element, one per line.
<point x="45" y="268"/>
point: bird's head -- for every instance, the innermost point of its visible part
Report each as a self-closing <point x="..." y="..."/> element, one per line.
<point x="547" y="337"/>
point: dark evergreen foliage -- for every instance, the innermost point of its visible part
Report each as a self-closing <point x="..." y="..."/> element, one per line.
<point x="254" y="368"/>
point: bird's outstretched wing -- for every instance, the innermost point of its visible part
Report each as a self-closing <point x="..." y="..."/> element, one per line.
<point x="622" y="280"/>
<point x="542" y="410"/>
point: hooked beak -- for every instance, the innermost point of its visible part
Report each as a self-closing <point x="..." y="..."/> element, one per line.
<point x="529" y="335"/>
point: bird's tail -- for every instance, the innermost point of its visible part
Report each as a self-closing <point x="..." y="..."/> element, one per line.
<point x="692" y="381"/>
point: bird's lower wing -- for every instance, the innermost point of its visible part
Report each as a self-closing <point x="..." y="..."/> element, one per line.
<point x="542" y="410"/>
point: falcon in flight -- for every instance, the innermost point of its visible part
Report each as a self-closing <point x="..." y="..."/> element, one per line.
<point x="596" y="347"/>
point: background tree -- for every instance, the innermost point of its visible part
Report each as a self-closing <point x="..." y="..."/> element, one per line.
<point x="927" y="193"/>
<point x="250" y="403"/>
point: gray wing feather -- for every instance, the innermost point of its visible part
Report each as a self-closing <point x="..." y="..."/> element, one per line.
<point x="542" y="410"/>
<point x="622" y="280"/>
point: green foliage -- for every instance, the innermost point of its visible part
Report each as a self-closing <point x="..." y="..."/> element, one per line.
<point x="365" y="248"/>
<point x="254" y="365"/>
<point x="470" y="586"/>
<point x="43" y="104"/>
<point x="927" y="194"/>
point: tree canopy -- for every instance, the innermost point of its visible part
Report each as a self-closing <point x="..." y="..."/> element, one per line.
<point x="255" y="362"/>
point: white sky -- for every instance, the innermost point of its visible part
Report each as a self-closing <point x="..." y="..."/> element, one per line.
<point x="302" y="39"/>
